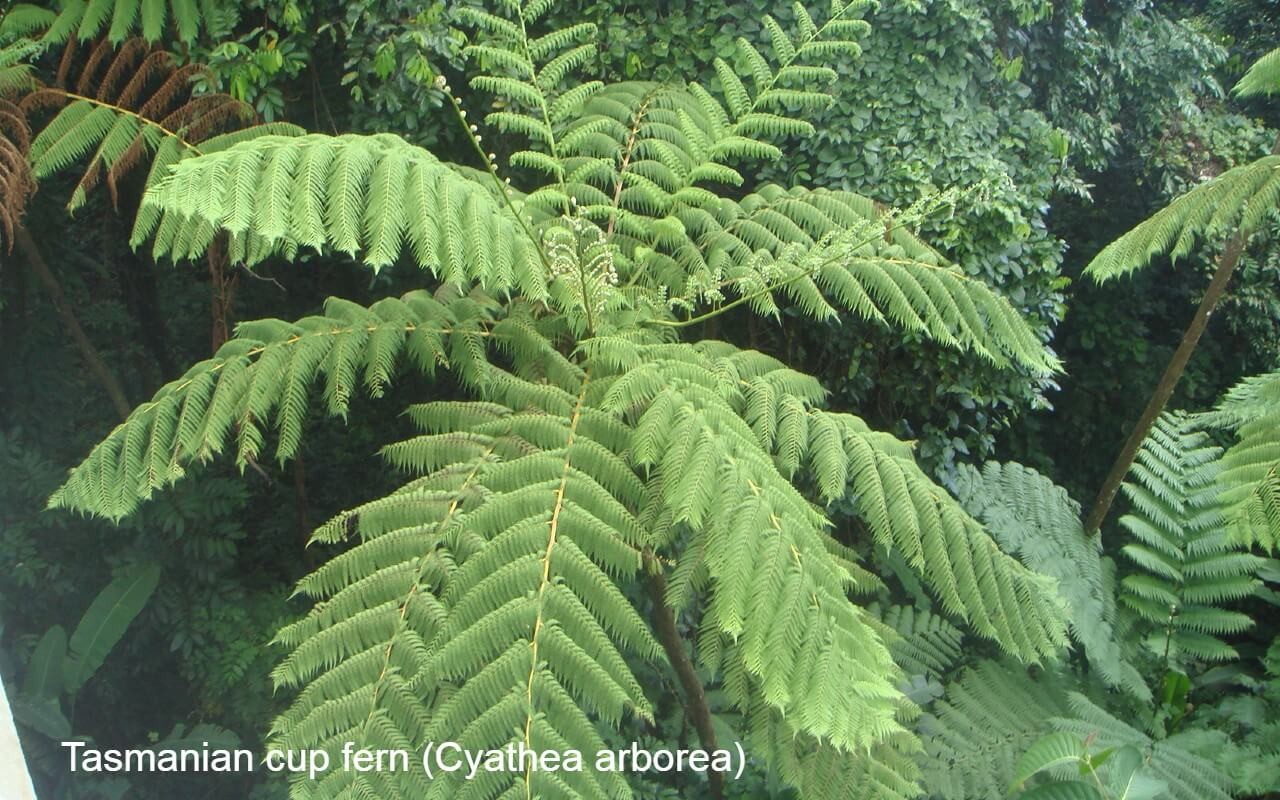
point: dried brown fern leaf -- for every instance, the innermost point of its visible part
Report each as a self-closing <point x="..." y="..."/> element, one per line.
<point x="16" y="181"/>
<point x="115" y="105"/>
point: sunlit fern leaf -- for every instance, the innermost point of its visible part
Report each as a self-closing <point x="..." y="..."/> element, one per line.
<point x="1035" y="520"/>
<point x="956" y="557"/>
<point x="1262" y="78"/>
<point x="118" y="19"/>
<point x="819" y="771"/>
<point x="1250" y="476"/>
<point x="1188" y="568"/>
<point x="371" y="196"/>
<point x="1238" y="199"/>
<point x="261" y="380"/>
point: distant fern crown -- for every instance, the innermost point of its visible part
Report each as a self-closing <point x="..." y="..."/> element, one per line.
<point x="489" y="599"/>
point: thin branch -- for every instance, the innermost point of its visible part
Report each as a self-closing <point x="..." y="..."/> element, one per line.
<point x="696" y="708"/>
<point x="88" y="352"/>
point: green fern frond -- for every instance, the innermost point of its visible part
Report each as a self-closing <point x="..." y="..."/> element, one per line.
<point x="375" y="196"/>
<point x="1262" y="78"/>
<point x="1035" y="520"/>
<point x="510" y="544"/>
<point x="262" y="379"/>
<point x="1250" y="477"/>
<point x="975" y="735"/>
<point x="1238" y="199"/>
<point x="926" y="643"/>
<point x="1188" y="566"/>
<point x="1186" y="776"/>
<point x="87" y="19"/>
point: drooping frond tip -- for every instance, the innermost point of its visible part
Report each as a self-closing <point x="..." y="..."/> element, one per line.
<point x="1236" y="200"/>
<point x="1263" y="77"/>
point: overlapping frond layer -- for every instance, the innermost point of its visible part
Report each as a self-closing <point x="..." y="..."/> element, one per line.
<point x="925" y="643"/>
<point x="1188" y="565"/>
<point x="1034" y="519"/>
<point x="1185" y="775"/>
<point x="262" y="380"/>
<point x="374" y="196"/>
<point x="118" y="19"/>
<point x="1238" y="199"/>
<point x="124" y="107"/>
<point x="974" y="735"/>
<point x="710" y="410"/>
<point x="774" y="588"/>
<point x="1262" y="78"/>
<point x="482" y="605"/>
<point x="1250" y="477"/>
<point x="643" y="164"/>
<point x="956" y="557"/>
<point x="818" y="771"/>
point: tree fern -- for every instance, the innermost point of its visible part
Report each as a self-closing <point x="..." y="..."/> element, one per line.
<point x="1188" y="566"/>
<point x="1036" y="520"/>
<point x="1250" y="477"/>
<point x="1238" y="199"/>
<point x="488" y="600"/>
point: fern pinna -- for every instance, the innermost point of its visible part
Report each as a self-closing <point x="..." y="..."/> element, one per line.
<point x="489" y="600"/>
<point x="1188" y="565"/>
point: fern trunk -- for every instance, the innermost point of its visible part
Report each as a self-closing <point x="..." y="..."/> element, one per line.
<point x="88" y="352"/>
<point x="1168" y="382"/>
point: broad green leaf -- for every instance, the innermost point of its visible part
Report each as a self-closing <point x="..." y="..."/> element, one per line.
<point x="106" y="621"/>
<point x="44" y="673"/>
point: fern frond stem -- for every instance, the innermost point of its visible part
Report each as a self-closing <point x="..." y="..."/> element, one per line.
<point x="1168" y="381"/>
<point x="542" y="96"/>
<point x="627" y="152"/>
<point x="664" y="626"/>
<point x="553" y="529"/>
<point x="128" y="113"/>
<point x="416" y="585"/>
<point x="93" y="359"/>
<point x="492" y="169"/>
